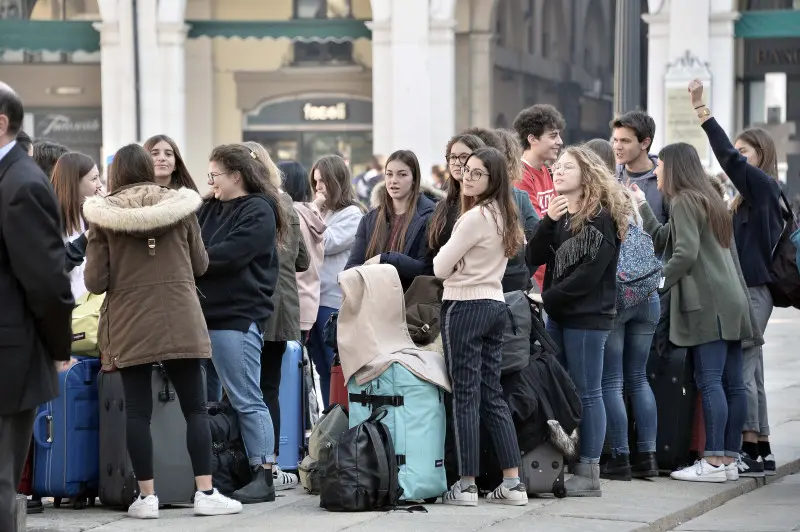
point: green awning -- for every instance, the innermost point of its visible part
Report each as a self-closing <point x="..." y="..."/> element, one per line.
<point x="305" y="30"/>
<point x="768" y="24"/>
<point x="48" y="35"/>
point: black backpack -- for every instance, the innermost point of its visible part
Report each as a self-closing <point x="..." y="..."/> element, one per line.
<point x="785" y="285"/>
<point x="230" y="467"/>
<point x="361" y="473"/>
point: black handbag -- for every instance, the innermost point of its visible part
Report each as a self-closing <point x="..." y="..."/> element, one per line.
<point x="361" y="473"/>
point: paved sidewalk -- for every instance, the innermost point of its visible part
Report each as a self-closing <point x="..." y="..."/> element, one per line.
<point x="658" y="505"/>
<point x="772" y="509"/>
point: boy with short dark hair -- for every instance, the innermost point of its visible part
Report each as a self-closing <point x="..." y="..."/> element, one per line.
<point x="632" y="138"/>
<point x="539" y="130"/>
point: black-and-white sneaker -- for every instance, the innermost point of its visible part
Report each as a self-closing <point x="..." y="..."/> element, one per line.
<point x="516" y="496"/>
<point x="458" y="496"/>
<point x="751" y="468"/>
<point x="283" y="480"/>
<point x="769" y="465"/>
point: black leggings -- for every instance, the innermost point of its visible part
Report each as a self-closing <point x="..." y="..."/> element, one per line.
<point x="271" y="359"/>
<point x="187" y="378"/>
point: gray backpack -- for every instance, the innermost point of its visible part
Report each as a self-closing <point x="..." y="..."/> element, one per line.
<point x="517" y="336"/>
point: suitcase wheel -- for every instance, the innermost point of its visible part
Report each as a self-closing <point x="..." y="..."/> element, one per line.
<point x="560" y="492"/>
<point x="431" y="500"/>
<point x="92" y="501"/>
<point x="57" y="502"/>
<point x="79" y="503"/>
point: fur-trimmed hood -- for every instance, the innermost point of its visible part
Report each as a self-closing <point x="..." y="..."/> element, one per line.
<point x="141" y="208"/>
<point x="434" y="194"/>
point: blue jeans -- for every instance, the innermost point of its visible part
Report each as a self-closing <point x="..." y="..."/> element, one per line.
<point x="718" y="373"/>
<point x="236" y="356"/>
<point x="627" y="351"/>
<point x="582" y="357"/>
<point x="320" y="354"/>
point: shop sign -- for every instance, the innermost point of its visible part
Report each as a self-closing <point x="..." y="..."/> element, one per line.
<point x="69" y="126"/>
<point x="333" y="112"/>
<point x="764" y="56"/>
<point x="308" y="112"/>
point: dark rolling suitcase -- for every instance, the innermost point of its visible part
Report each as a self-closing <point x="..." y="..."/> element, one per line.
<point x="670" y="371"/>
<point x="172" y="468"/>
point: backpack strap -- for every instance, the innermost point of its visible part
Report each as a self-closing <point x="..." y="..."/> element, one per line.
<point x="394" y="489"/>
<point x="384" y="473"/>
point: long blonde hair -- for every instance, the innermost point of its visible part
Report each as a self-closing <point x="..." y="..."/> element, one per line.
<point x="275" y="176"/>
<point x="600" y="191"/>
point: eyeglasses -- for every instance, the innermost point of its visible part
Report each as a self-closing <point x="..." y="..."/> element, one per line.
<point x="211" y="177"/>
<point x="472" y="175"/>
<point x="557" y="168"/>
<point x="458" y="159"/>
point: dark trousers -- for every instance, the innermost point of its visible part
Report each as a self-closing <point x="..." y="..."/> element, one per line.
<point x="15" y="437"/>
<point x="472" y="336"/>
<point x="271" y="360"/>
<point x="187" y="378"/>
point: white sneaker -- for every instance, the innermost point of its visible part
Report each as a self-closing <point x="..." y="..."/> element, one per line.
<point x="732" y="470"/>
<point x="701" y="471"/>
<point x="516" y="496"/>
<point x="146" y="508"/>
<point x="282" y="480"/>
<point x="215" y="504"/>
<point x="457" y="496"/>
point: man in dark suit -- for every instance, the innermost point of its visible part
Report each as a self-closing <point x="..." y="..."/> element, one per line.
<point x="35" y="298"/>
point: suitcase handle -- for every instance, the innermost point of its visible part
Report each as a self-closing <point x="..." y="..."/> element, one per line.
<point x="43" y="430"/>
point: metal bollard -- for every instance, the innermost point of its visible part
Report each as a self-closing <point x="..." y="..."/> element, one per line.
<point x="22" y="513"/>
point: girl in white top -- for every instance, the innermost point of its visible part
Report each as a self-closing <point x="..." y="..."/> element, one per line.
<point x="75" y="178"/>
<point x="474" y="313"/>
<point x="335" y="201"/>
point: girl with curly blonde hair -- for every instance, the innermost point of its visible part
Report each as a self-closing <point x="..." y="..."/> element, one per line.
<point x="579" y="241"/>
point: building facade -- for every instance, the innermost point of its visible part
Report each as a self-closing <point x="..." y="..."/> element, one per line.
<point x="748" y="54"/>
<point x="303" y="77"/>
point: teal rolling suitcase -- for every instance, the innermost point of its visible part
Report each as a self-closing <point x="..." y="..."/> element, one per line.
<point x="416" y="421"/>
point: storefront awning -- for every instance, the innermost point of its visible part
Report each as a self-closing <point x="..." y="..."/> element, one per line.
<point x="768" y="24"/>
<point x="304" y="30"/>
<point x="49" y="35"/>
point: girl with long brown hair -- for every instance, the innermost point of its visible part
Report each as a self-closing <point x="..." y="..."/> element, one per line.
<point x="75" y="178"/>
<point x="170" y="169"/>
<point x="335" y="201"/>
<point x="579" y="241"/>
<point x="708" y="309"/>
<point x="751" y="164"/>
<point x="473" y="320"/>
<point x="396" y="231"/>
<point x="448" y="209"/>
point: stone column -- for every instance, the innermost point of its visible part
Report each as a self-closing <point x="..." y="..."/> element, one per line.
<point x="627" y="71"/>
<point x="481" y="79"/>
<point x="722" y="60"/>
<point x="172" y="81"/>
<point x="382" y="89"/>
<point x="151" y="91"/>
<point x="117" y="78"/>
<point x="442" y="79"/>
<point x="657" y="60"/>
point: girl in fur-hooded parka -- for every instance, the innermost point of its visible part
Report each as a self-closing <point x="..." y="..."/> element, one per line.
<point x="144" y="252"/>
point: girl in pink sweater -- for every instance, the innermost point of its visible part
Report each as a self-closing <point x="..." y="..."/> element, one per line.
<point x="473" y="319"/>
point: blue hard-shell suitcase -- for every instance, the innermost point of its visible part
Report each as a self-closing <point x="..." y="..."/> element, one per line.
<point x="66" y="438"/>
<point x="291" y="397"/>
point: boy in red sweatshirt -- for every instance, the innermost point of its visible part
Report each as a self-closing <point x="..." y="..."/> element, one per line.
<point x="539" y="131"/>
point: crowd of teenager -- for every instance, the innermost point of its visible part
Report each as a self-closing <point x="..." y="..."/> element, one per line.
<point x="214" y="286"/>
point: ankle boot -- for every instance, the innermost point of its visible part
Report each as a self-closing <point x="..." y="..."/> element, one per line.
<point x="585" y="482"/>
<point x="617" y="468"/>
<point x="645" y="466"/>
<point x="260" y="489"/>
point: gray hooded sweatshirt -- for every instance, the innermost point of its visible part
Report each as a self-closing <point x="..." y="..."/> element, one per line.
<point x="647" y="182"/>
